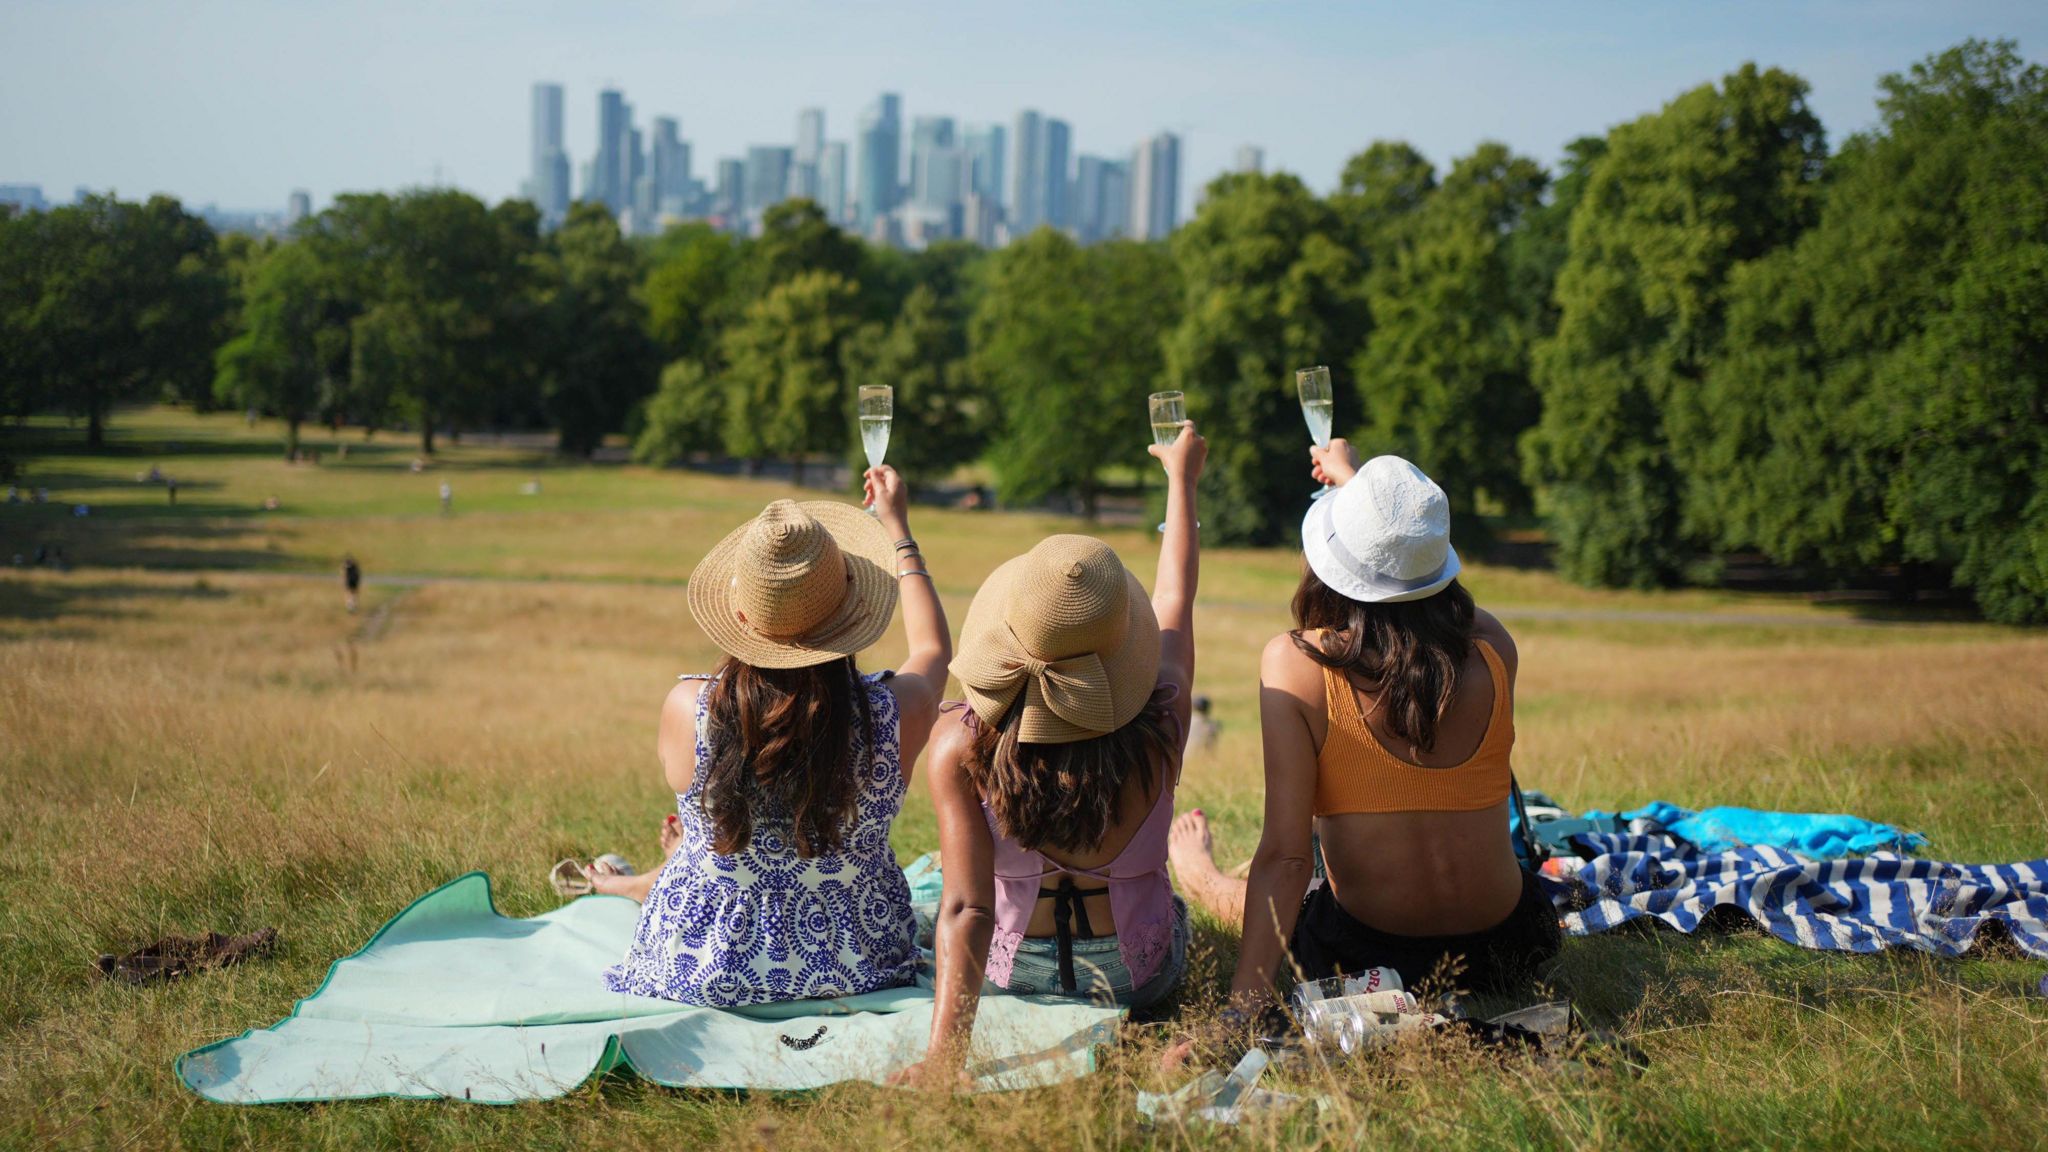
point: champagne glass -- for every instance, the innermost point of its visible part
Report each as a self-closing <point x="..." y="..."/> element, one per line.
<point x="877" y="410"/>
<point x="1169" y="410"/>
<point x="1317" y="407"/>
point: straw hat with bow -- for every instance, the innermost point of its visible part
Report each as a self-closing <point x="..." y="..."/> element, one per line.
<point x="798" y="585"/>
<point x="1066" y="634"/>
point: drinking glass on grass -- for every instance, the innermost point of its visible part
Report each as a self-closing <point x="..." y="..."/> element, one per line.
<point x="1169" y="410"/>
<point x="877" y="411"/>
<point x="1317" y="407"/>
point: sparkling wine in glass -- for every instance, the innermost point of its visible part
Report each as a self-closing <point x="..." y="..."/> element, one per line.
<point x="877" y="410"/>
<point x="1168" y="411"/>
<point x="1317" y="408"/>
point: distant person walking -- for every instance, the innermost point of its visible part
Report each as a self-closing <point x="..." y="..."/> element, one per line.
<point x="351" y="579"/>
<point x="171" y="490"/>
<point x="447" y="498"/>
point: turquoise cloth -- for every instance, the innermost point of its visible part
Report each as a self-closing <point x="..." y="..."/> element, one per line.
<point x="1820" y="835"/>
<point x="453" y="1000"/>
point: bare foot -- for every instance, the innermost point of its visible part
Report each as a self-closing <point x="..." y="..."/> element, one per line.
<point x="1190" y="846"/>
<point x="671" y="834"/>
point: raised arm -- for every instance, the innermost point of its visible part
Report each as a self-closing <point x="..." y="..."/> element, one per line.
<point x="1180" y="550"/>
<point x="1290" y="690"/>
<point x="967" y="911"/>
<point x="921" y="679"/>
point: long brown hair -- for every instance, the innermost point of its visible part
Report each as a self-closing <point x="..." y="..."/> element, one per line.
<point x="1065" y="796"/>
<point x="783" y="754"/>
<point x="1410" y="652"/>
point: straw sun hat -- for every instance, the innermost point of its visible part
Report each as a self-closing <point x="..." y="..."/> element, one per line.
<point x="1384" y="537"/>
<point x="798" y="585"/>
<point x="1067" y="634"/>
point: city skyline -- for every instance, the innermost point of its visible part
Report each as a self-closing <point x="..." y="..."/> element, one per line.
<point x="141" y="98"/>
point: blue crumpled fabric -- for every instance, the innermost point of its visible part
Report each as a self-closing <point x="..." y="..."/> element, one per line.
<point x="1820" y="835"/>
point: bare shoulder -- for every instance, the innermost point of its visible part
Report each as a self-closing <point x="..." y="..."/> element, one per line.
<point x="1284" y="665"/>
<point x="1486" y="626"/>
<point x="682" y="701"/>
<point x="951" y="738"/>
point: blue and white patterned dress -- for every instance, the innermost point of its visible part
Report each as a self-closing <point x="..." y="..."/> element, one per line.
<point x="765" y="924"/>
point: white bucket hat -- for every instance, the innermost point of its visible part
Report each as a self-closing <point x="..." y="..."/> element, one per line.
<point x="1383" y="537"/>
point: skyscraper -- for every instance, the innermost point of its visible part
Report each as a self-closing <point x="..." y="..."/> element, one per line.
<point x="985" y="146"/>
<point x="1102" y="199"/>
<point x="728" y="200"/>
<point x="611" y="170"/>
<point x="1027" y="175"/>
<point x="879" y="154"/>
<point x="1058" y="138"/>
<point x="1155" y="187"/>
<point x="548" y="184"/>
<point x="1251" y="158"/>
<point x="1039" y="179"/>
<point x="810" y="136"/>
<point x="669" y="167"/>
<point x="297" y="207"/>
<point x="767" y="178"/>
<point x="928" y="134"/>
<point x="832" y="181"/>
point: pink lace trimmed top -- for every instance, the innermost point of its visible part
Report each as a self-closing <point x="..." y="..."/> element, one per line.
<point x="1140" y="894"/>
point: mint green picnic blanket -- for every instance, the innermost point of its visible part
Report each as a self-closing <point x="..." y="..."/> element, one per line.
<point x="451" y="999"/>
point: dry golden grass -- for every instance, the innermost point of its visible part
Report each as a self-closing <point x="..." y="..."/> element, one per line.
<point x="194" y="751"/>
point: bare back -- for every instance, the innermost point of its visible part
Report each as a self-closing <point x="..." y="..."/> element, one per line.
<point x="1410" y="873"/>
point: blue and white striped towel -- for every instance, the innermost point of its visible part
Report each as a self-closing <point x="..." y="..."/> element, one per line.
<point x="1857" y="905"/>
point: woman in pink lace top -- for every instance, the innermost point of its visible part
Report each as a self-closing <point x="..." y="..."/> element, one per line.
<point x="1054" y="782"/>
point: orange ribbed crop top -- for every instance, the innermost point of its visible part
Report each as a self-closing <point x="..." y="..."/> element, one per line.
<point x="1356" y="773"/>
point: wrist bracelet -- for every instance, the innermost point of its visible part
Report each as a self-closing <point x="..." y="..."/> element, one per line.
<point x="916" y="572"/>
<point x="907" y="542"/>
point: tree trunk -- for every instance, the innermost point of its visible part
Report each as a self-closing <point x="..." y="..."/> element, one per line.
<point x="95" y="426"/>
<point x="796" y="470"/>
<point x="427" y="437"/>
<point x="291" y="437"/>
<point x="1088" y="497"/>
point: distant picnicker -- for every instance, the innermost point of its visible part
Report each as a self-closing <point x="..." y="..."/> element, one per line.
<point x="447" y="498"/>
<point x="352" y="580"/>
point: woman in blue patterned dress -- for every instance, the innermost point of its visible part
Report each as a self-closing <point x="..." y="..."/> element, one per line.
<point x="789" y="765"/>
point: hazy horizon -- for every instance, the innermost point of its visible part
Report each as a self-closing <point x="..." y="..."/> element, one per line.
<point x="238" y="102"/>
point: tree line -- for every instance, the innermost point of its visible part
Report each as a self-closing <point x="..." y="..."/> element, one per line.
<point x="1702" y="334"/>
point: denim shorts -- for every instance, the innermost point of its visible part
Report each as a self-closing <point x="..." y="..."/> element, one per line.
<point x="1100" y="975"/>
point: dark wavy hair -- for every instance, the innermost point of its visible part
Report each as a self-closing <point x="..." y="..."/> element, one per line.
<point x="1409" y="653"/>
<point x="1065" y="796"/>
<point x="783" y="754"/>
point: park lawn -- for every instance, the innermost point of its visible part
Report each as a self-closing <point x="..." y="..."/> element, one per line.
<point x="186" y="746"/>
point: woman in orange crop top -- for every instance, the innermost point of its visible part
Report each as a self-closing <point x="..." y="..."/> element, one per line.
<point x="1388" y="720"/>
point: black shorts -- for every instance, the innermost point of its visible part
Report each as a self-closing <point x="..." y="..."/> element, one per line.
<point x="1328" y="941"/>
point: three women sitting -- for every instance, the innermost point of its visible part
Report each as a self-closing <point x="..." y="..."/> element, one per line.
<point x="1386" y="716"/>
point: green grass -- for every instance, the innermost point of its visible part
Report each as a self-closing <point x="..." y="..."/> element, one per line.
<point x="185" y="746"/>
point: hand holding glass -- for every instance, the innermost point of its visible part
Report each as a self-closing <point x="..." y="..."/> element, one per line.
<point x="877" y="410"/>
<point x="1318" y="409"/>
<point x="1169" y="411"/>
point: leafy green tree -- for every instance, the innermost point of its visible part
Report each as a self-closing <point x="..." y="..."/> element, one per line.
<point x="685" y="415"/>
<point x="786" y="384"/>
<point x="108" y="301"/>
<point x="282" y="361"/>
<point x="796" y="238"/>
<point x="1882" y="398"/>
<point x="1270" y="284"/>
<point x="1444" y="377"/>
<point x="444" y="284"/>
<point x="1719" y="176"/>
<point x="689" y="291"/>
<point x="1536" y="249"/>
<point x="599" y="362"/>
<point x="1067" y="341"/>
<point x="941" y="420"/>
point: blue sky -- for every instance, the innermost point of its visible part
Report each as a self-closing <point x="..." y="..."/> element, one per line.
<point x="237" y="102"/>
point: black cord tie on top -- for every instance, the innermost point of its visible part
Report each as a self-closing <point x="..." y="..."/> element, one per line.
<point x="1068" y="902"/>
